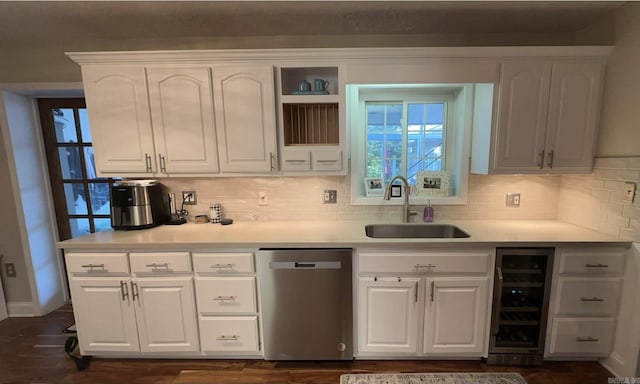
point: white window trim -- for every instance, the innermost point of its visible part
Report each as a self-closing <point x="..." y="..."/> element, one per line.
<point x="458" y="144"/>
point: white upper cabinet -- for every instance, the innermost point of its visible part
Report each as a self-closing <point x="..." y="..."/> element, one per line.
<point x="545" y="120"/>
<point x="245" y="118"/>
<point x="118" y="111"/>
<point x="183" y="124"/>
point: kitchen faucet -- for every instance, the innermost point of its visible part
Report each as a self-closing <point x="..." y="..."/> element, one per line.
<point x="387" y="195"/>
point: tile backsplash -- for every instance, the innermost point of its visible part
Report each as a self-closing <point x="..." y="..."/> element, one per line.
<point x="300" y="198"/>
<point x="595" y="201"/>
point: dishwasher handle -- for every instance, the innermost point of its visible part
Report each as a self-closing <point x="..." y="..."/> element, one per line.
<point x="305" y="265"/>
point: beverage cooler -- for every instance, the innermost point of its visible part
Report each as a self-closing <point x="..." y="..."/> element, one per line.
<point x="520" y="305"/>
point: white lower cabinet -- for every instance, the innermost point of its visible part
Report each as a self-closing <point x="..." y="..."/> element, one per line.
<point x="229" y="333"/>
<point x="423" y="303"/>
<point x="456" y="316"/>
<point x="580" y="337"/>
<point x="388" y="309"/>
<point x="135" y="315"/>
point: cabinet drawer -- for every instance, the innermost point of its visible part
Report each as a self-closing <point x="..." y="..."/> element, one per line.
<point x="327" y="160"/>
<point x="296" y="161"/>
<point x="226" y="294"/>
<point x="592" y="263"/>
<point x="229" y="334"/>
<point x="220" y="263"/>
<point x="580" y="296"/>
<point x="584" y="337"/>
<point x="160" y="262"/>
<point x="97" y="263"/>
<point x="445" y="262"/>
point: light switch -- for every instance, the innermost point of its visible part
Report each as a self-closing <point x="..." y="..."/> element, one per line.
<point x="629" y="192"/>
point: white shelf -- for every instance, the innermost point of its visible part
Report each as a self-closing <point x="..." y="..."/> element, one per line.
<point x="301" y="99"/>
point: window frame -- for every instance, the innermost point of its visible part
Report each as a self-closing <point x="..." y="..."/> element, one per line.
<point x="459" y="116"/>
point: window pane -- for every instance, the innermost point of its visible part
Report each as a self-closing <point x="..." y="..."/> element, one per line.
<point x="79" y="227"/>
<point x="384" y="140"/>
<point x="70" y="166"/>
<point x="89" y="163"/>
<point x="425" y="138"/>
<point x="102" y="224"/>
<point x="75" y="198"/>
<point x="65" y="125"/>
<point x="99" y="193"/>
<point x="84" y="125"/>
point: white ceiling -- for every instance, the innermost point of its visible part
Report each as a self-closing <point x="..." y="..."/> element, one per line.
<point x="25" y="23"/>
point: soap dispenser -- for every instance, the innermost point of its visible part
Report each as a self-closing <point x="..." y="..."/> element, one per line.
<point x="428" y="213"/>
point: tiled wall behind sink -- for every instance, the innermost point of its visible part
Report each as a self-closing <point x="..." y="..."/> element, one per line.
<point x="300" y="198"/>
<point x="595" y="201"/>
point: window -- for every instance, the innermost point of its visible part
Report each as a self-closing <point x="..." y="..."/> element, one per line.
<point x="404" y="138"/>
<point x="405" y="129"/>
<point x="81" y="198"/>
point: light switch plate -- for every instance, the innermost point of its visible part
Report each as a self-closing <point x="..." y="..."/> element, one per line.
<point x="513" y="200"/>
<point x="629" y="192"/>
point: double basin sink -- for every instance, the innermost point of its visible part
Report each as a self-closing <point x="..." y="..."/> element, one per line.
<point x="414" y="231"/>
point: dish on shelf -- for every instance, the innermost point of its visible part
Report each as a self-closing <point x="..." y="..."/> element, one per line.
<point x="325" y="92"/>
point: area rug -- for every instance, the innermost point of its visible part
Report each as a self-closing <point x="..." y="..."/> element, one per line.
<point x="433" y="378"/>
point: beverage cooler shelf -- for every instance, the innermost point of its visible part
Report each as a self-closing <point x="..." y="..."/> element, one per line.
<point x="522" y="284"/>
<point x="519" y="318"/>
<point x="527" y="271"/>
<point x="520" y="309"/>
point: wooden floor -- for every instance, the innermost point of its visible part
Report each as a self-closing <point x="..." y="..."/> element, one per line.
<point x="31" y="351"/>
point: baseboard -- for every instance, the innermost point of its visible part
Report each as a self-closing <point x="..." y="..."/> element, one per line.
<point x="21" y="309"/>
<point x="614" y="363"/>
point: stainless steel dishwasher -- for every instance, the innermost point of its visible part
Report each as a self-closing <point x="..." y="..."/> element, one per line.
<point x="306" y="303"/>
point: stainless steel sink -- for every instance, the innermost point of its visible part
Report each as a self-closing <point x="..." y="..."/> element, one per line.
<point x="427" y="231"/>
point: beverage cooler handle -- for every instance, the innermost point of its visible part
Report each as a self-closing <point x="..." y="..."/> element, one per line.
<point x="496" y="314"/>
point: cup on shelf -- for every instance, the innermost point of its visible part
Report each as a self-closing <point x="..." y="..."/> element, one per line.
<point x="304" y="86"/>
<point x="320" y="85"/>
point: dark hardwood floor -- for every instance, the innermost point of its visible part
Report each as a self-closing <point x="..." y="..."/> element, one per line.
<point x="31" y="351"/>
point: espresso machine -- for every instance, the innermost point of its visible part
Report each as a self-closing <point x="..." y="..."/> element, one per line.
<point x="138" y="204"/>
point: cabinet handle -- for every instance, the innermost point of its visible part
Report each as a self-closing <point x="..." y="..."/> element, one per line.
<point x="550" y="163"/>
<point x="586" y="339"/>
<point x="228" y="338"/>
<point x="222" y="266"/>
<point x="124" y="288"/>
<point x="272" y="158"/>
<point x="428" y="266"/>
<point x="591" y="299"/>
<point x="541" y="159"/>
<point x="158" y="266"/>
<point x="326" y="161"/>
<point x="295" y="161"/>
<point x="147" y="161"/>
<point x="225" y="298"/>
<point x="134" y="289"/>
<point x="163" y="165"/>
<point x="91" y="267"/>
<point x="416" y="291"/>
<point x="433" y="284"/>
<point x="596" y="265"/>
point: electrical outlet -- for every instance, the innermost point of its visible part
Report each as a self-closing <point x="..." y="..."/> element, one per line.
<point x="330" y="196"/>
<point x="10" y="269"/>
<point x="263" y="198"/>
<point x="513" y="200"/>
<point x="189" y="197"/>
<point x="629" y="192"/>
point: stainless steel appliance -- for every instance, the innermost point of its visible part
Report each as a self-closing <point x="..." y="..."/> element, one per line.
<point x="520" y="305"/>
<point x="138" y="204"/>
<point x="307" y="311"/>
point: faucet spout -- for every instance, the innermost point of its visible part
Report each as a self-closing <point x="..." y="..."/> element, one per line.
<point x="387" y="195"/>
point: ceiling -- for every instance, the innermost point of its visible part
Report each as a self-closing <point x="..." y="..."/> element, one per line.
<point x="27" y="23"/>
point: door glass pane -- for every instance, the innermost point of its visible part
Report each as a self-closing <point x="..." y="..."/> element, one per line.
<point x="102" y="224"/>
<point x="70" y="166"/>
<point x="74" y="196"/>
<point x="79" y="227"/>
<point x="84" y="125"/>
<point x="99" y="194"/>
<point x="65" y="125"/>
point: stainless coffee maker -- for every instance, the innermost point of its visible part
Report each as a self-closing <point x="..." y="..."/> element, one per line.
<point x="138" y="204"/>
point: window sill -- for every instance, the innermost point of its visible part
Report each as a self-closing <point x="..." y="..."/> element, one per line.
<point x="413" y="200"/>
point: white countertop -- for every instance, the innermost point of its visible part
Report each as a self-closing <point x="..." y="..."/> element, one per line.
<point x="310" y="234"/>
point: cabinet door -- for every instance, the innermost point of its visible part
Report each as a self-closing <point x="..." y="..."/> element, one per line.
<point x="522" y="116"/>
<point x="574" y="107"/>
<point x="388" y="314"/>
<point x="104" y="315"/>
<point x="456" y="316"/>
<point x="183" y="123"/>
<point x="245" y="117"/>
<point x="118" y="110"/>
<point x="166" y="314"/>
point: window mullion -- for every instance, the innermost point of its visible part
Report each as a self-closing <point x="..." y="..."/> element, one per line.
<point x="405" y="137"/>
